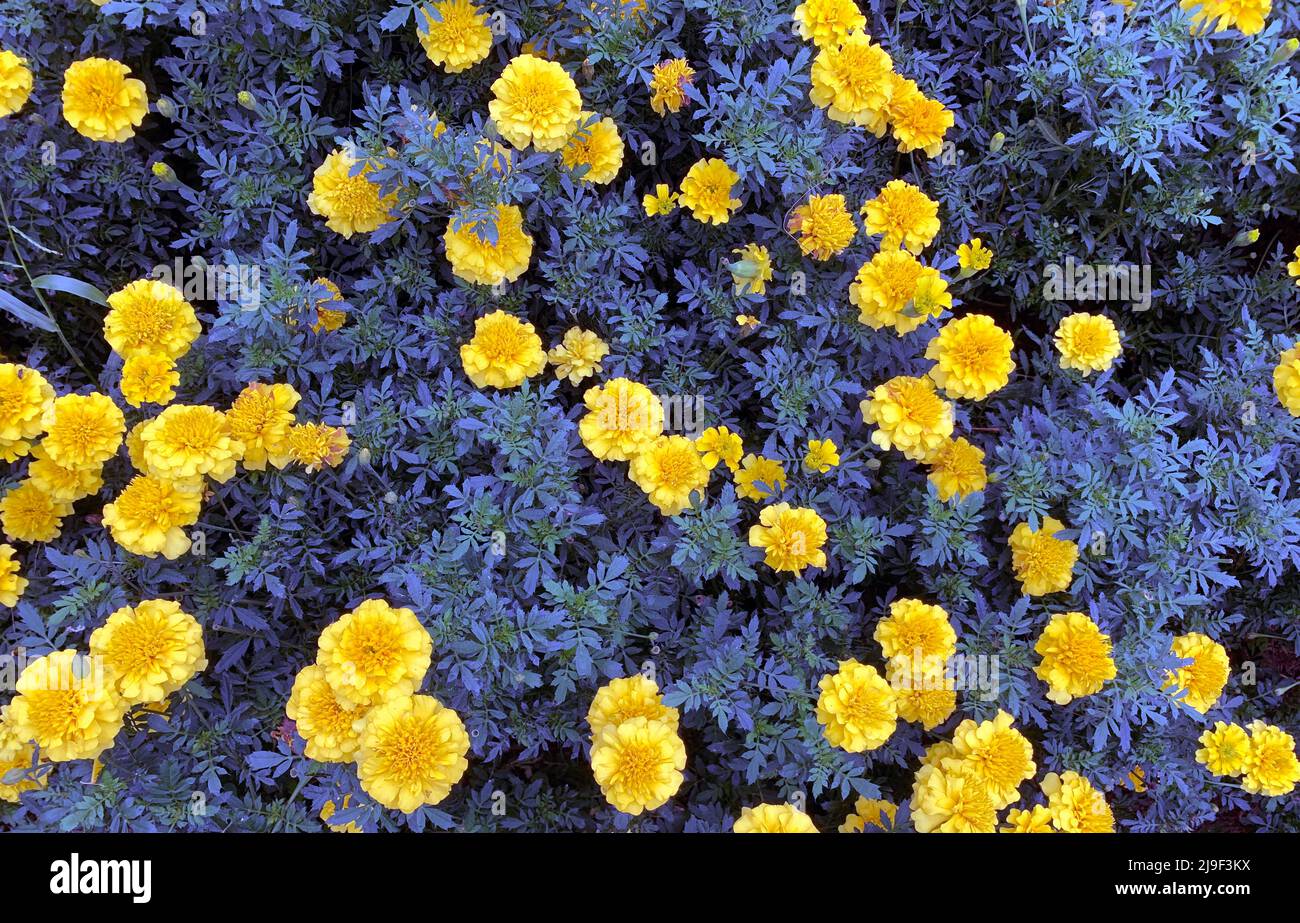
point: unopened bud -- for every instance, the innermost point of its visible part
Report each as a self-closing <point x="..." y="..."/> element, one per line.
<point x="166" y="108"/>
<point x="245" y="99"/>
<point x="996" y="142"/>
<point x="1285" y="51"/>
<point x="1245" y="238"/>
<point x="164" y="172"/>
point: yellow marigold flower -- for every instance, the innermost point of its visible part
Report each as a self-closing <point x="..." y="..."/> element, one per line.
<point x="792" y="538"/>
<point x="1225" y="749"/>
<point x="638" y="764"/>
<point x="894" y="289"/>
<point x="260" y="418"/>
<point x="535" y="102"/>
<point x="706" y="191"/>
<point x="668" y="83"/>
<point x="327" y="811"/>
<point x="1042" y="562"/>
<point x="503" y="353"/>
<point x="751" y="273"/>
<point x="1247" y="15"/>
<point x="348" y="201"/>
<point x="25" y="397"/>
<point x="1293" y="267"/>
<point x="135" y="446"/>
<point x="773" y="818"/>
<point x="148" y="317"/>
<point x="916" y="629"/>
<point x="828" y="22"/>
<point x="1272" y="768"/>
<point x="412" y="752"/>
<point x="1207" y="674"/>
<point x="29" y="514"/>
<point x="856" y="708"/>
<point x="19" y="761"/>
<point x="149" y="379"/>
<point x="150" y="515"/>
<point x="904" y="215"/>
<point x="315" y="446"/>
<point x="1037" y="819"/>
<point x="670" y="470"/>
<point x="1286" y="379"/>
<point x="624" y="698"/>
<point x="1000" y="756"/>
<point x="972" y="357"/>
<point x="870" y="812"/>
<point x="719" y="444"/>
<point x="823" y="455"/>
<point x="758" y="478"/>
<point x="12" y="585"/>
<point x="150" y="650"/>
<point x="623" y="417"/>
<point x="919" y="123"/>
<point x="948" y="797"/>
<point x="328" y="319"/>
<point x="596" y="144"/>
<point x="923" y="690"/>
<point x="1076" y="806"/>
<point x="937" y="752"/>
<point x="101" y="102"/>
<point x="1075" y="657"/>
<point x="331" y="729"/>
<point x="375" y="653"/>
<point x="909" y="416"/>
<point x="67" y="706"/>
<point x="578" y="355"/>
<point x="187" y="441"/>
<point x="15" y="82"/>
<point x="957" y="468"/>
<point x="747" y="320"/>
<point x="823" y="225"/>
<point x="1087" y="342"/>
<point x="851" y="80"/>
<point x="662" y="202"/>
<point x="67" y="484"/>
<point x="455" y="34"/>
<point x="488" y="253"/>
<point x="974" y="257"/>
<point x="83" y="430"/>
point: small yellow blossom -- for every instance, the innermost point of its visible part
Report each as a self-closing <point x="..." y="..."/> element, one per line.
<point x="260" y="418"/>
<point x="1272" y="768"/>
<point x="375" y="653"/>
<point x="148" y="318"/>
<point x="67" y="706"/>
<point x="916" y="630"/>
<point x="1076" y="806"/>
<point x="12" y="584"/>
<point x="894" y="289"/>
<point x="83" y="430"/>
<point x="758" y="477"/>
<point x="29" y="514"/>
<point x="624" y="698"/>
<point x="25" y="398"/>
<point x="971" y="356"/>
<point x="488" y="252"/>
<point x="315" y="446"/>
<point x="973" y="257"/>
<point x="150" y="515"/>
<point x="578" y="355"/>
<point x="919" y="123"/>
<point x="1037" y="819"/>
<point x="870" y="812"/>
<point x="535" y="101"/>
<point x="15" y="82"/>
<point x="638" y="764"/>
<point x="823" y="226"/>
<point x="904" y="215"/>
<point x="909" y="416"/>
<point x="957" y="469"/>
<point x="719" y="444"/>
<point x="623" y="417"/>
<point x="1000" y="756"/>
<point x="663" y="201"/>
<point x="150" y="650"/>
<point x="752" y="271"/>
<point x="1042" y="562"/>
<point x="823" y="455"/>
<point x="188" y="441"/>
<point x="706" y="191"/>
<point x="101" y="101"/>
<point x="455" y="34"/>
<point x="1286" y="379"/>
<point x="828" y="22"/>
<point x="856" y="708"/>
<point x="596" y="145"/>
<point x="149" y="379"/>
<point x="1204" y="678"/>
<point x="792" y="538"/>
<point x="412" y="752"/>
<point x="1087" y="342"/>
<point x="1225" y="749"/>
<point x="331" y="729"/>
<point x="852" y="79"/>
<point x="668" y="82"/>
<point x="948" y="797"/>
<point x="670" y="471"/>
<point x="347" y="199"/>
<point x="66" y="484"/>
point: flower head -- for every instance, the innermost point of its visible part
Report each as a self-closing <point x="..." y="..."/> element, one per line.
<point x="623" y="418"/>
<point x="851" y="80"/>
<point x="328" y="319"/>
<point x="83" y="430"/>
<point x="670" y="470"/>
<point x="488" y="252"/>
<point x="1075" y="657"/>
<point x="957" y="469"/>
<point x="15" y="82"/>
<point x="909" y="416"/>
<point x="923" y="690"/>
<point x="503" y="353"/>
<point x="1225" y="749"/>
<point x="856" y="708"/>
<point x="187" y="441"/>
<point x="635" y="696"/>
<point x="915" y="628"/>
<point x="1286" y="377"/>
<point x="150" y="515"/>
<point x="1042" y="562"/>
<point x="828" y="22"/>
<point x="535" y="102"/>
<point x="822" y="456"/>
<point x="1076" y="806"/>
<point x="14" y="779"/>
<point x="719" y="444"/>
<point x="346" y="198"/>
<point x="68" y="706"/>
<point x="455" y="34"/>
<point x="12" y="585"/>
<point x="949" y="797"/>
<point x="919" y="123"/>
<point x="331" y="729"/>
<point x="1204" y="678"/>
<point x="1087" y="342"/>
<point x="578" y="355"/>
<point x="663" y="201"/>
<point x="375" y="653"/>
<point x="260" y="418"/>
<point x="595" y="145"/>
<point x="25" y="398"/>
<point x="792" y="538"/>
<point x="971" y="356"/>
<point x="904" y="215"/>
<point x="412" y="752"/>
<point x="149" y="379"/>
<point x="758" y="477"/>
<point x="1037" y="819"/>
<point x="150" y="650"/>
<point x="706" y="191"/>
<point x="974" y="257"/>
<point x="638" y="764"/>
<point x="315" y="446"/>
<point x="150" y="318"/>
<point x="752" y="271"/>
<point x="1247" y="15"/>
<point x="773" y="818"/>
<point x="29" y="514"/>
<point x="823" y="225"/>
<point x="870" y="812"/>
<point x="101" y="101"/>
<point x="999" y="756"/>
<point x="1272" y="768"/>
<point x="668" y="82"/>
<point x="894" y="289"/>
